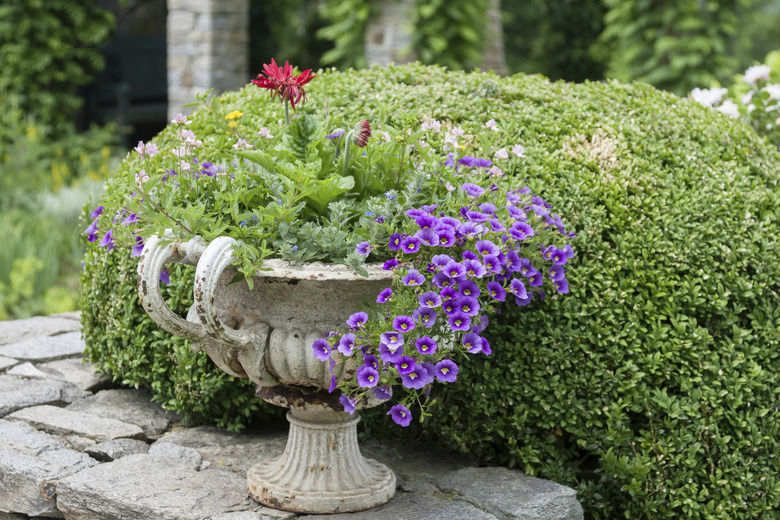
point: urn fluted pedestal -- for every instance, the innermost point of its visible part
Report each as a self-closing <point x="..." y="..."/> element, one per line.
<point x="266" y="334"/>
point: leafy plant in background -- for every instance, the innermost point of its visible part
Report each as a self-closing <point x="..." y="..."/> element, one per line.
<point x="753" y="98"/>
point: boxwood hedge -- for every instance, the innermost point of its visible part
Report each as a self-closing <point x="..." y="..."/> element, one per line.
<point x="652" y="388"/>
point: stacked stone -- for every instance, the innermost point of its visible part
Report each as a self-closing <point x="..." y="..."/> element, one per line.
<point x="73" y="447"/>
<point x="208" y="46"/>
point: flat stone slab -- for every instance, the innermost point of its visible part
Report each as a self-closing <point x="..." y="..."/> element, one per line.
<point x="20" y="330"/>
<point x="31" y="463"/>
<point x="228" y="450"/>
<point x="59" y="421"/>
<point x="116" y="449"/>
<point x="6" y="362"/>
<point x="129" y="406"/>
<point x="189" y="456"/>
<point x="511" y="494"/>
<point x="76" y="372"/>
<point x="47" y="348"/>
<point x="145" y="486"/>
<point x="26" y="369"/>
<point x="412" y="506"/>
<point x="17" y="393"/>
<point x="415" y="460"/>
<point x="265" y="514"/>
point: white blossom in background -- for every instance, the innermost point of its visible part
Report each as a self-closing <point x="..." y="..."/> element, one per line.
<point x="774" y="91"/>
<point x="265" y="132"/>
<point x="492" y="125"/>
<point x="756" y="73"/>
<point x="708" y="97"/>
<point x="729" y="108"/>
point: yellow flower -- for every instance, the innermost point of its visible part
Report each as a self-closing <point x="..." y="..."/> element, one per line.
<point x="235" y="114"/>
<point x="233" y="125"/>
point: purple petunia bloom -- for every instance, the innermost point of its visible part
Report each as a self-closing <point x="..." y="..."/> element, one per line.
<point x="476" y="216"/>
<point x="321" y="349"/>
<point x="394" y="244"/>
<point x="332" y="386"/>
<point x="486" y="347"/>
<point x="108" y="241"/>
<point x="430" y="299"/>
<point x="441" y="260"/>
<point x="347" y="344"/>
<point x="426" y="221"/>
<point x="130" y="219"/>
<point x="447" y="237"/>
<point x="426" y="316"/>
<point x="474" y="268"/>
<point x="367" y="377"/>
<point x="470" y="229"/>
<point x="371" y="361"/>
<point x="138" y="248"/>
<point x="405" y="365"/>
<point x="521" y="231"/>
<point x="165" y="276"/>
<point x="364" y="248"/>
<point x="390" y="356"/>
<point x="449" y="306"/>
<point x="400" y="415"/>
<point x="347" y="403"/>
<point x="516" y="213"/>
<point x="492" y="264"/>
<point x="428" y="237"/>
<point x="496" y="291"/>
<point x="557" y="272"/>
<point x="524" y="301"/>
<point x="488" y="208"/>
<point x="562" y="285"/>
<point x="97" y="212"/>
<point x="459" y="321"/>
<point x="384" y="296"/>
<point x="415" y="213"/>
<point x="426" y="345"/>
<point x="454" y="270"/>
<point x="389" y="265"/>
<point x="468" y="305"/>
<point x="468" y="254"/>
<point x="450" y="221"/>
<point x="526" y="269"/>
<point x="413" y="278"/>
<point x="417" y="378"/>
<point x="392" y="339"/>
<point x="468" y="288"/>
<point x="442" y="280"/>
<point x="517" y="288"/>
<point x="91" y="231"/>
<point x="446" y="371"/>
<point x="472" y="190"/>
<point x="449" y="293"/>
<point x="472" y="342"/>
<point x="496" y="226"/>
<point x="558" y="256"/>
<point x="403" y="323"/>
<point x="486" y="247"/>
<point x="536" y="280"/>
<point x="410" y="244"/>
<point x="481" y="324"/>
<point x="357" y="320"/>
<point x="383" y="393"/>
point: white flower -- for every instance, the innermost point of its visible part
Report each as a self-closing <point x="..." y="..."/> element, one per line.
<point x="181" y="151"/>
<point x="708" y="97"/>
<point x="185" y="166"/>
<point x="265" y="132"/>
<point x="180" y="119"/>
<point x="756" y="73"/>
<point x="773" y="90"/>
<point x="492" y="125"/>
<point x="451" y="140"/>
<point x="423" y="144"/>
<point x="457" y="131"/>
<point x="729" y="108"/>
<point x="431" y="125"/>
<point x="242" y="144"/>
<point x="385" y="136"/>
<point x="518" y="150"/>
<point x="495" y="171"/>
<point x="141" y="177"/>
<point x="501" y="154"/>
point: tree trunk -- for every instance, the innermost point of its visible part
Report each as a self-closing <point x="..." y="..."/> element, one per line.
<point x="493" y="57"/>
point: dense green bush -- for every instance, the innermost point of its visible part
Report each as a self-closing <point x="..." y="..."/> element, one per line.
<point x="651" y="388"/>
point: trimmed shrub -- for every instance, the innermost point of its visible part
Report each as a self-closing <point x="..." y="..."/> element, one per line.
<point x="651" y="388"/>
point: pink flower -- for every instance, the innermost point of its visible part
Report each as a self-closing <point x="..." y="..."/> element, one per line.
<point x="281" y="82"/>
<point x="492" y="125"/>
<point x="518" y="150"/>
<point x="264" y="132"/>
<point x="501" y="154"/>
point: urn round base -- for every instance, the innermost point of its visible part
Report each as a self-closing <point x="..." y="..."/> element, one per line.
<point x="321" y="470"/>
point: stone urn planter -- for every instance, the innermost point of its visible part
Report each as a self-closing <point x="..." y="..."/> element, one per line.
<point x="266" y="334"/>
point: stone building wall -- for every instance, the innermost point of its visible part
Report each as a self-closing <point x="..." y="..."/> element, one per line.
<point x="208" y="46"/>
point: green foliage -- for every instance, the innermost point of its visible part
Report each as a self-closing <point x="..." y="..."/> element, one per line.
<point x="449" y="32"/>
<point x="674" y="46"/>
<point x="347" y="20"/>
<point x="285" y="30"/>
<point x="47" y="48"/>
<point x="652" y="387"/>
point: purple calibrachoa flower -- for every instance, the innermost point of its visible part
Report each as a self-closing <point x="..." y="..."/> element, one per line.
<point x="165" y="276"/>
<point x="371" y="361"/>
<point x="138" y="248"/>
<point x="474" y="268"/>
<point x="367" y="377"/>
<point x="496" y="291"/>
<point x="562" y="286"/>
<point x="517" y="288"/>
<point x="450" y="293"/>
<point x="410" y="244"/>
<point x="459" y="320"/>
<point x="108" y="240"/>
<point x="522" y="302"/>
<point x="91" y="231"/>
<point x="390" y="357"/>
<point x="536" y="280"/>
<point x="385" y="295"/>
<point x="492" y="264"/>
<point x="400" y="415"/>
<point x="481" y="324"/>
<point x="415" y="213"/>
<point x="454" y="270"/>
<point x="347" y="344"/>
<point x="468" y="254"/>
<point x="97" y="212"/>
<point x="447" y="237"/>
<point x="470" y="229"/>
<point x="426" y="345"/>
<point x="426" y="221"/>
<point x="389" y="265"/>
<point x="473" y="342"/>
<point x="357" y="320"/>
<point x="332" y="386"/>
<point x="321" y="349"/>
<point x="526" y="269"/>
<point x="430" y="299"/>
<point x="521" y="231"/>
<point x="395" y="242"/>
<point x="467" y="305"/>
<point x="383" y="393"/>
<point x="450" y="221"/>
<point x="472" y="190"/>
<point x="558" y="256"/>
<point x="403" y="324"/>
<point x="364" y="248"/>
<point x="426" y="316"/>
<point x="405" y="365"/>
<point x="486" y="247"/>
<point x="468" y="288"/>
<point x="428" y="237"/>
<point x="557" y="272"/>
<point x="442" y="280"/>
<point x="446" y="371"/>
<point x="417" y="378"/>
<point x="392" y="339"/>
<point x="441" y="260"/>
<point x="347" y="403"/>
<point x="413" y="278"/>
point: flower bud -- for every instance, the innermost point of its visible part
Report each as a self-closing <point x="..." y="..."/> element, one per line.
<point x="362" y="134"/>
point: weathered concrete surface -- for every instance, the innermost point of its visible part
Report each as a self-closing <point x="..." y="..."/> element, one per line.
<point x="76" y="372"/>
<point x="145" y="486"/>
<point x="54" y="420"/>
<point x="129" y="406"/>
<point x="31" y="463"/>
<point x="188" y="456"/>
<point x="411" y="506"/>
<point x="20" y="330"/>
<point x="508" y="493"/>
<point x="46" y="348"/>
<point x="17" y="393"/>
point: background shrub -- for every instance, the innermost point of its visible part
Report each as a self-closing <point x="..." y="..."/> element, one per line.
<point x="651" y="388"/>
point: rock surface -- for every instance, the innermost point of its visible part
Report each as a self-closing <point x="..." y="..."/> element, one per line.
<point x="129" y="406"/>
<point x="47" y="348"/>
<point x="76" y="372"/>
<point x="116" y="449"/>
<point x="17" y="393"/>
<point x="52" y="419"/>
<point x="411" y="506"/>
<point x="20" y="330"/>
<point x="6" y="362"/>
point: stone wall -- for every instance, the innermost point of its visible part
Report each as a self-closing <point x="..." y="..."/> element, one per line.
<point x="208" y="46"/>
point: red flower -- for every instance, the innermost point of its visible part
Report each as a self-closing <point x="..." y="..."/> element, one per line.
<point x="281" y="81"/>
<point x="363" y="133"/>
